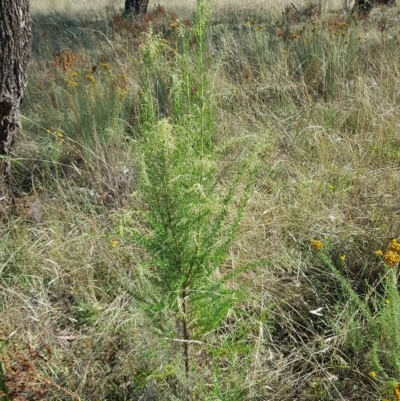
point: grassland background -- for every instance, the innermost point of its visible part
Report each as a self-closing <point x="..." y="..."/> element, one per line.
<point x="321" y="90"/>
<point x="72" y="6"/>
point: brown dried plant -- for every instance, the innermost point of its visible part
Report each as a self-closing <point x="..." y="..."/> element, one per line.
<point x="23" y="374"/>
<point x="66" y="60"/>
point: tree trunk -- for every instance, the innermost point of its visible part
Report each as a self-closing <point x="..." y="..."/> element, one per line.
<point x="15" y="49"/>
<point x="139" y="7"/>
<point x="365" y="6"/>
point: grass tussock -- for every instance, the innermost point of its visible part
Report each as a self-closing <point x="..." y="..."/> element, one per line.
<point x="208" y="207"/>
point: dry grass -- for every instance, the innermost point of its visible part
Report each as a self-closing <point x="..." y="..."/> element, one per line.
<point x="87" y="6"/>
<point x="330" y="171"/>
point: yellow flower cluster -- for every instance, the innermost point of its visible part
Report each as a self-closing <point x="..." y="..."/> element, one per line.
<point x="316" y="245"/>
<point x="396" y="392"/>
<point x="70" y="82"/>
<point x="90" y="78"/>
<point x="392" y="256"/>
<point x="394" y="246"/>
<point x="253" y="23"/>
<point x="372" y="375"/>
<point x="59" y="136"/>
<point x="122" y="92"/>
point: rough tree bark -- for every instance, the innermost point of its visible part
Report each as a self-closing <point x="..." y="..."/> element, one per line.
<point x="139" y="7"/>
<point x="15" y="49"/>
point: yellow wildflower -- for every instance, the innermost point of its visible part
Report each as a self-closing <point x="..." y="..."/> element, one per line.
<point x="396" y="392"/>
<point x="391" y="258"/>
<point x="75" y="74"/>
<point x="59" y="136"/>
<point x="174" y="25"/>
<point x="105" y="65"/>
<point x="122" y="92"/>
<point x="343" y="258"/>
<point x="113" y="243"/>
<point x="316" y="245"/>
<point x="71" y="83"/>
<point x="372" y="375"/>
<point x="394" y="246"/>
<point x="387" y="301"/>
<point x="90" y="78"/>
